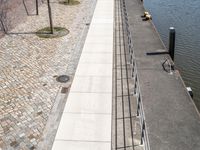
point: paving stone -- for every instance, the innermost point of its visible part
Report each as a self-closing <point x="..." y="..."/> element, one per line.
<point x="28" y="64"/>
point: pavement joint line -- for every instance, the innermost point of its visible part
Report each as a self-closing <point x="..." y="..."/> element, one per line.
<point x="108" y="93"/>
<point x="64" y="112"/>
<point x="83" y="141"/>
<point x="92" y="76"/>
<point x="95" y="63"/>
<point x="90" y="92"/>
<point x="96" y="52"/>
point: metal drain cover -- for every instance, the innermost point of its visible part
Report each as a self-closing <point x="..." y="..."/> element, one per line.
<point x="62" y="78"/>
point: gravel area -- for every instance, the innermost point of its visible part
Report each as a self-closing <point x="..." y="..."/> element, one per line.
<point x="29" y="92"/>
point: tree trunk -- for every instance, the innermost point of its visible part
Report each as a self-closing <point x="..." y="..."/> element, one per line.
<point x="37" y="9"/>
<point x="50" y="17"/>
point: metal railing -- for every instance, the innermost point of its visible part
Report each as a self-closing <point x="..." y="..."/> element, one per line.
<point x="134" y="74"/>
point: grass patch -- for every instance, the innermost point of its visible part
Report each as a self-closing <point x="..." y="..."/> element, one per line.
<point x="69" y="2"/>
<point x="46" y="32"/>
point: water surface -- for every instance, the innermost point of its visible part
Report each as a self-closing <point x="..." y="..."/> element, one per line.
<point x="184" y="15"/>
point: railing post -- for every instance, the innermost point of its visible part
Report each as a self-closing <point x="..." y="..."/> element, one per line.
<point x="172" y="34"/>
<point x="138" y="105"/>
<point x="135" y="86"/>
<point x="142" y="134"/>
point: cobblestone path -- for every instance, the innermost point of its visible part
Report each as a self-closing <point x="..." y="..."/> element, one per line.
<point x="29" y="66"/>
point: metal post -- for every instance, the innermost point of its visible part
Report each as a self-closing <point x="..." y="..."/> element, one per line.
<point x="172" y="34"/>
<point x="37" y="9"/>
<point x="142" y="134"/>
<point x="135" y="87"/>
<point x="138" y="105"/>
<point x="50" y="17"/>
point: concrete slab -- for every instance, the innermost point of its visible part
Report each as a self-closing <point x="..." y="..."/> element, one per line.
<point x="96" y="58"/>
<point x="104" y="16"/>
<point x="101" y="25"/>
<point x="80" y="145"/>
<point x="102" y="20"/>
<point x="95" y="103"/>
<point x="103" y="40"/>
<point x="84" y="127"/>
<point x="97" y="30"/>
<point x="97" y="48"/>
<point x="92" y="84"/>
<point x="98" y="70"/>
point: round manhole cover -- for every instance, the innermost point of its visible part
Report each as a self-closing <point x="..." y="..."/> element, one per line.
<point x="62" y="78"/>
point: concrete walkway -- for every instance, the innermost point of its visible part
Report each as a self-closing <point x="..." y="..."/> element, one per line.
<point x="86" y="120"/>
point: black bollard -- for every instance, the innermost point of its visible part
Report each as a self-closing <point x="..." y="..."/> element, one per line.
<point x="172" y="34"/>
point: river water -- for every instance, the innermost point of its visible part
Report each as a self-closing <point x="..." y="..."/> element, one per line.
<point x="184" y="15"/>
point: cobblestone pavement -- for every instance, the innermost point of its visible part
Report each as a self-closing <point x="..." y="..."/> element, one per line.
<point x="29" y="67"/>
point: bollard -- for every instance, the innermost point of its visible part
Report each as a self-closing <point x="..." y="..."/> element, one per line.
<point x="172" y="34"/>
